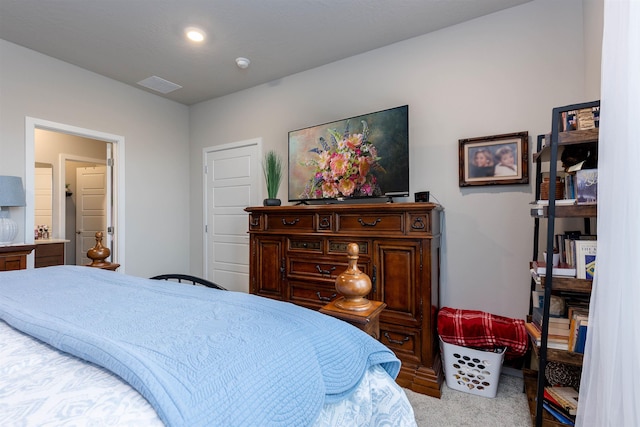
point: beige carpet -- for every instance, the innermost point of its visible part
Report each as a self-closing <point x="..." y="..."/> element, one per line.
<point x="455" y="408"/>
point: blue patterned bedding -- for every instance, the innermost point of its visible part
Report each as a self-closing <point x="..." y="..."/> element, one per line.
<point x="43" y="387"/>
<point x="199" y="356"/>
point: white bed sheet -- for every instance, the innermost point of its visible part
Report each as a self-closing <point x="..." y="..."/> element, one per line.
<point x="41" y="386"/>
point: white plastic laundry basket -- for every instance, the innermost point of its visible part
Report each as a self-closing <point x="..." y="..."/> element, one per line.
<point x="472" y="371"/>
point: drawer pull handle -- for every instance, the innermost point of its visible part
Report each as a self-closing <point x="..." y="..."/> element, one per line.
<point x="326" y="299"/>
<point x="254" y="222"/>
<point x="369" y="224"/>
<point x="397" y="342"/>
<point x="284" y="221"/>
<point x="324" y="223"/>
<point x="321" y="271"/>
<point x="418" y="224"/>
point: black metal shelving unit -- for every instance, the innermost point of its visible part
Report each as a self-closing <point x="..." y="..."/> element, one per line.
<point x="558" y="138"/>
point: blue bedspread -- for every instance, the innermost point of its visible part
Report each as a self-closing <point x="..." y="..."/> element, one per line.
<point x="201" y="357"/>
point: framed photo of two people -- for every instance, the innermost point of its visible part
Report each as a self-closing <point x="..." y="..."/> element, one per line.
<point x="492" y="160"/>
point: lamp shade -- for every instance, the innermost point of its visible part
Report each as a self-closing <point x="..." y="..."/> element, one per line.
<point x="11" y="191"/>
<point x="11" y="194"/>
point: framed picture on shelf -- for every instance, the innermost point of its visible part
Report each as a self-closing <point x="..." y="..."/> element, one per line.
<point x="494" y="160"/>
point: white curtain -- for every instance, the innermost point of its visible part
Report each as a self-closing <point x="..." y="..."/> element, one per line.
<point x="610" y="388"/>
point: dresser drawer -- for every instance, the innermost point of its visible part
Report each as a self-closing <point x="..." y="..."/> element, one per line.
<point x="324" y="222"/>
<point x="419" y="223"/>
<point x="312" y="295"/>
<point x="48" y="261"/>
<point x="322" y="269"/>
<point x="405" y="343"/>
<point x="301" y="244"/>
<point x="14" y="257"/>
<point x="256" y="222"/>
<point x="50" y="249"/>
<point x="48" y="254"/>
<point x="339" y="247"/>
<point x="316" y="268"/>
<point x="371" y="223"/>
<point x="290" y="222"/>
<point x="13" y="262"/>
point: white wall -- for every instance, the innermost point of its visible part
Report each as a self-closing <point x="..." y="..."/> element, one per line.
<point x="593" y="24"/>
<point x="501" y="73"/>
<point x="156" y="139"/>
<point x="497" y="74"/>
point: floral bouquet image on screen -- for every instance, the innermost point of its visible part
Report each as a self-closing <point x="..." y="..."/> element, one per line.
<point x="343" y="166"/>
<point x="360" y="157"/>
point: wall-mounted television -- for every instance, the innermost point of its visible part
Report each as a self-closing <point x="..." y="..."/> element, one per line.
<point x="360" y="157"/>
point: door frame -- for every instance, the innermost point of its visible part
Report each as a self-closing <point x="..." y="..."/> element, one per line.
<point x="117" y="188"/>
<point x="208" y="150"/>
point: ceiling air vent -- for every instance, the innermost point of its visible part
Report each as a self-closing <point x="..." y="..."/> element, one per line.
<point x="159" y="85"/>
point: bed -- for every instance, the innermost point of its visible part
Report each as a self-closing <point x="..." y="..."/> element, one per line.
<point x="85" y="346"/>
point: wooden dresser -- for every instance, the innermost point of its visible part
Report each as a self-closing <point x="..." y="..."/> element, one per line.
<point x="14" y="257"/>
<point x="49" y="252"/>
<point x="297" y="252"/>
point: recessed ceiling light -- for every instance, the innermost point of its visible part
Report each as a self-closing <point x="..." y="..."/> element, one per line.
<point x="194" y="34"/>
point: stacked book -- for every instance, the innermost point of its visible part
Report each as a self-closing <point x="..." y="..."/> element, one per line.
<point x="578" y="254"/>
<point x="539" y="268"/>
<point x="558" y="333"/>
<point x="579" y="251"/>
<point x="583" y="119"/>
<point x="561" y="403"/>
<point x="578" y="323"/>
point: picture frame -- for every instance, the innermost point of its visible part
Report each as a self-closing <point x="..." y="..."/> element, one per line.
<point x="494" y="160"/>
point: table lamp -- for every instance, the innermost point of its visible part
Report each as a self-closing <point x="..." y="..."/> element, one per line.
<point x="11" y="194"/>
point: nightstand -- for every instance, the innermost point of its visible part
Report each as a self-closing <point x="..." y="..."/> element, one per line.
<point x="14" y="257"/>
<point x="366" y="320"/>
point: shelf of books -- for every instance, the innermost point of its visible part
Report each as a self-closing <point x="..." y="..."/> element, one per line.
<point x="560" y="293"/>
<point x="554" y="411"/>
<point x="567" y="325"/>
<point x="582" y="136"/>
<point x="560" y="356"/>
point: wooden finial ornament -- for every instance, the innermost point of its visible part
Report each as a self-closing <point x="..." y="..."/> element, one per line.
<point x="99" y="253"/>
<point x="353" y="284"/>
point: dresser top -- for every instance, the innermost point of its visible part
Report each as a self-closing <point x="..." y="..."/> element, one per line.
<point x="346" y="207"/>
<point x="49" y="241"/>
<point x="16" y="248"/>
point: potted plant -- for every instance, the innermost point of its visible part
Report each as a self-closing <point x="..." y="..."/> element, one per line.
<point x="272" y="168"/>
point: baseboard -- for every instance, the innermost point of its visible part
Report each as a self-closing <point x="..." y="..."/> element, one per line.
<point x="513" y="372"/>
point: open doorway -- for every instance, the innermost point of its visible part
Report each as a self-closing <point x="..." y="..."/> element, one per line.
<point x="85" y="207"/>
<point x="65" y="159"/>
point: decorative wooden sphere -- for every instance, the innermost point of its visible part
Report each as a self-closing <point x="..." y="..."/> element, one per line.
<point x="353" y="284"/>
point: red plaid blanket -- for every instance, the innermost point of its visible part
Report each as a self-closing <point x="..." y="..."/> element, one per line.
<point x="471" y="328"/>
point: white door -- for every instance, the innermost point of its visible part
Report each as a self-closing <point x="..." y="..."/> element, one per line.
<point x="232" y="182"/>
<point x="91" y="210"/>
<point x="43" y="192"/>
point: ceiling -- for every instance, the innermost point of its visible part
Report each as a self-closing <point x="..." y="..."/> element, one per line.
<point x="131" y="40"/>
